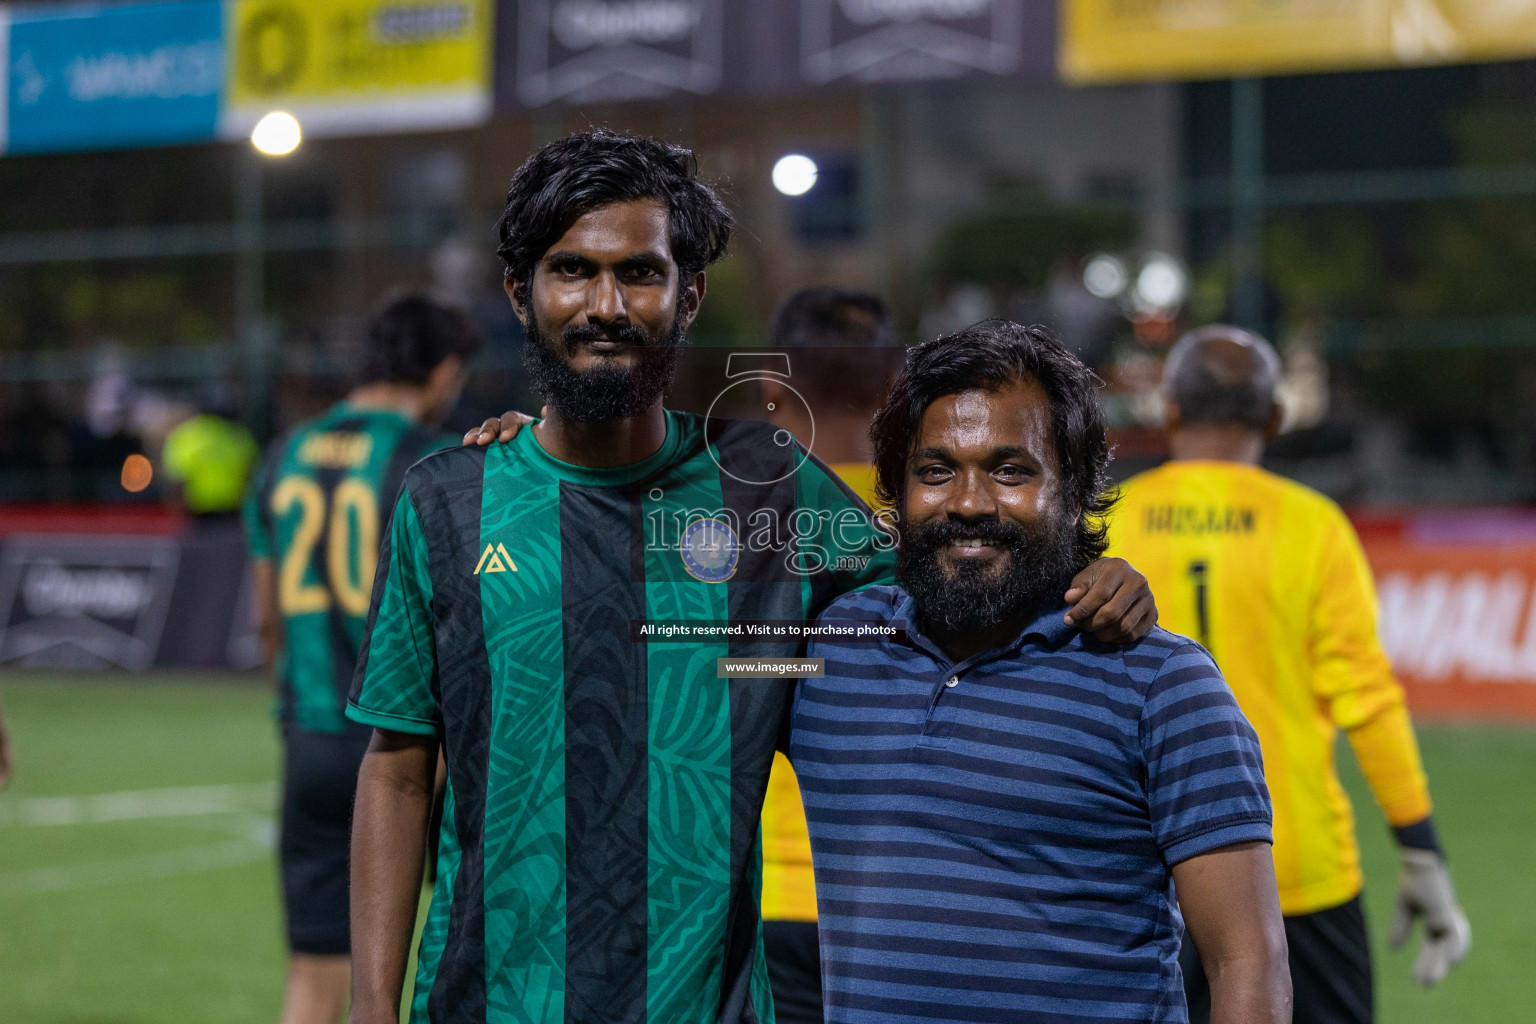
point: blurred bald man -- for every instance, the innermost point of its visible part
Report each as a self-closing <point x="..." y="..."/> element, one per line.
<point x="1269" y="576"/>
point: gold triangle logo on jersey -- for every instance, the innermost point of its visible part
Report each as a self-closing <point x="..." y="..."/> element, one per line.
<point x="495" y="559"/>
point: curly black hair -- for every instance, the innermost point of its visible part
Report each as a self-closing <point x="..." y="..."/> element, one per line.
<point x="988" y="356"/>
<point x="580" y="173"/>
<point x="411" y="335"/>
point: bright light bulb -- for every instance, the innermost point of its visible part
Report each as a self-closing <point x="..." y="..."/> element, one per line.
<point x="794" y="175"/>
<point x="1105" y="276"/>
<point x="277" y="134"/>
<point x="1162" y="283"/>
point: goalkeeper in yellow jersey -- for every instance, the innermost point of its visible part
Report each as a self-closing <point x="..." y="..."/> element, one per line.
<point x="1270" y="577"/>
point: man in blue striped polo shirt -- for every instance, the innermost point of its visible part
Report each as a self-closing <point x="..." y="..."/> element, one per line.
<point x="1000" y="807"/>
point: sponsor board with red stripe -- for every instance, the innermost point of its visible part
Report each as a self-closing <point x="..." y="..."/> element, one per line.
<point x="1458" y="610"/>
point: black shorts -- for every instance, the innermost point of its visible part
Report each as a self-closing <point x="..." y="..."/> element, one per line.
<point x="794" y="970"/>
<point x="319" y="783"/>
<point x="1330" y="969"/>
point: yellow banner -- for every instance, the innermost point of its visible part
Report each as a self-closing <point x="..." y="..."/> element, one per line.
<point x="359" y="64"/>
<point x="1119" y="40"/>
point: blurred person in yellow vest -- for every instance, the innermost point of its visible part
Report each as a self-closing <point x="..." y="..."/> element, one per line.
<point x="1270" y="577"/>
<point x="842" y="353"/>
<point x="210" y="457"/>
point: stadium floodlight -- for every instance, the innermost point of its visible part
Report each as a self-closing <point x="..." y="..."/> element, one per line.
<point x="277" y="134"/>
<point x="1105" y="276"/>
<point x="1162" y="285"/>
<point x="795" y="174"/>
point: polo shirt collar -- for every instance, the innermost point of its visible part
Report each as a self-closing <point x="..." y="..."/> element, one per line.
<point x="1049" y="627"/>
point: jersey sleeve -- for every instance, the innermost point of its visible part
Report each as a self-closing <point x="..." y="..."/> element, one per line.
<point x="851" y="549"/>
<point x="1204" y="770"/>
<point x="1353" y="677"/>
<point x="253" y="509"/>
<point x="392" y="687"/>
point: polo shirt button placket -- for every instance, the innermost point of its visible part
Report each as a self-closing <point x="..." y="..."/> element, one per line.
<point x="948" y="680"/>
<point x="925" y="738"/>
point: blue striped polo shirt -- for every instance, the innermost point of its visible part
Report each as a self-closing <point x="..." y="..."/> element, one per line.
<point x="993" y="840"/>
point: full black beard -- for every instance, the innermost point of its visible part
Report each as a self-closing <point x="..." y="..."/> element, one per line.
<point x="604" y="393"/>
<point x="1042" y="561"/>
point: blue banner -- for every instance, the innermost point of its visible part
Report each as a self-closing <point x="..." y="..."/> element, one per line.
<point x="106" y="78"/>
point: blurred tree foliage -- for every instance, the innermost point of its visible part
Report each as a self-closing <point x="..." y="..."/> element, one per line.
<point x="173" y="302"/>
<point x="1017" y="233"/>
<point x="122" y="188"/>
<point x="1471" y="257"/>
<point x="1431" y="303"/>
<point x="1477" y="257"/>
<point x="1324" y="265"/>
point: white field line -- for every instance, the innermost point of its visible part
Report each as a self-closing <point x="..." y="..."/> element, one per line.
<point x="134" y="805"/>
<point x="245" y="812"/>
<point x="142" y="868"/>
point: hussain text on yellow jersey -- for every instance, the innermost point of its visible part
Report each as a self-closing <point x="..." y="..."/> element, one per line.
<point x="1270" y="577"/>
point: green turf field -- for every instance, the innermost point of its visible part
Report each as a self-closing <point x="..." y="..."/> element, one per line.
<point x="145" y="907"/>
<point x="118" y="914"/>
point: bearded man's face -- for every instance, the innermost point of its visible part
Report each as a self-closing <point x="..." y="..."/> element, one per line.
<point x="607" y="313"/>
<point x="985" y="533"/>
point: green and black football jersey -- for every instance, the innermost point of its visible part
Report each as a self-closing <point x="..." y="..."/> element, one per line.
<point x="315" y="508"/>
<point x="599" y="856"/>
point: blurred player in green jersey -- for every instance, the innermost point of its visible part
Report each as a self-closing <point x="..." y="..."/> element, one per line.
<point x="314" y="516"/>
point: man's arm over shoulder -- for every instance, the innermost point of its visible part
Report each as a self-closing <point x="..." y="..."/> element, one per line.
<point x="417" y="443"/>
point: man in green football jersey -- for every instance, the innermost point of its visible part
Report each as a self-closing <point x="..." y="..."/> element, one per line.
<point x="599" y="856"/>
<point x="313" y="517"/>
